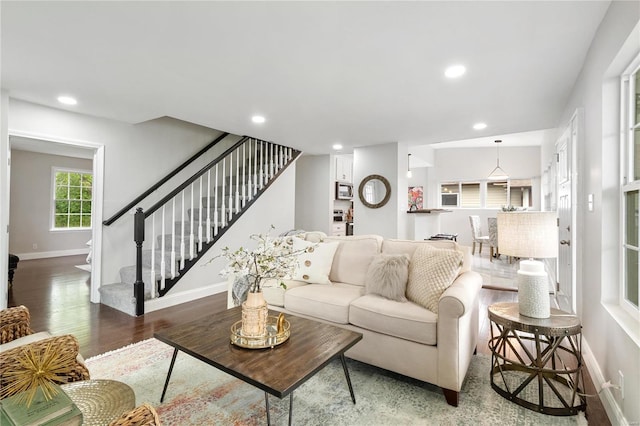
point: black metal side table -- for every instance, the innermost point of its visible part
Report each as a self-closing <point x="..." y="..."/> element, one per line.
<point x="537" y="363"/>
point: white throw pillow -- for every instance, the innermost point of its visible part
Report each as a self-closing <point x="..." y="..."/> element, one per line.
<point x="314" y="265"/>
<point x="431" y="272"/>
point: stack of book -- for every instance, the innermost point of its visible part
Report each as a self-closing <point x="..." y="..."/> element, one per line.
<point x="57" y="411"/>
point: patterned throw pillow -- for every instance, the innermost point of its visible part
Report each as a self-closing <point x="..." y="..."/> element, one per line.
<point x="387" y="276"/>
<point x="431" y="272"/>
<point x="314" y="265"/>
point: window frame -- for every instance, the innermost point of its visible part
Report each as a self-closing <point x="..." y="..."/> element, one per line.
<point x="629" y="124"/>
<point x="52" y="210"/>
<point x="483" y="183"/>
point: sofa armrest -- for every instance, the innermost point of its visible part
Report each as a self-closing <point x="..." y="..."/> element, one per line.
<point x="458" y="323"/>
<point x="14" y="323"/>
<point x="460" y="297"/>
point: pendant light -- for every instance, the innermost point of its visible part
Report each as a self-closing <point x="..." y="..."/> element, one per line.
<point x="409" y="174"/>
<point x="498" y="173"/>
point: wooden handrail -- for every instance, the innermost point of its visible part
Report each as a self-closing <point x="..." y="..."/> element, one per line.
<point x="162" y="181"/>
<point x="193" y="178"/>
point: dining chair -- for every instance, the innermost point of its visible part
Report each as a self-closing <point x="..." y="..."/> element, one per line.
<point x="476" y="233"/>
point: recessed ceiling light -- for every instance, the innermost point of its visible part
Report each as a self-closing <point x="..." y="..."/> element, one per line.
<point x="337" y="146"/>
<point x="479" y="126"/>
<point x="258" y="119"/>
<point x="455" y="71"/>
<point x="67" y="100"/>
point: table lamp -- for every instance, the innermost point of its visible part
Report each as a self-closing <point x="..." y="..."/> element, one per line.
<point x="532" y="235"/>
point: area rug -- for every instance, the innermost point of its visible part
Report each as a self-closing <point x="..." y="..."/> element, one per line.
<point x="199" y="394"/>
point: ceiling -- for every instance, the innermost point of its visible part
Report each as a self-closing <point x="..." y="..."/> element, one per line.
<point x="355" y="73"/>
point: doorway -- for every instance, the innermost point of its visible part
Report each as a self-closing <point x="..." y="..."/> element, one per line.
<point x="42" y="153"/>
<point x="566" y="202"/>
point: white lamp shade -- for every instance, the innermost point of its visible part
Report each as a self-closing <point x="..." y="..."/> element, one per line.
<point x="528" y="234"/>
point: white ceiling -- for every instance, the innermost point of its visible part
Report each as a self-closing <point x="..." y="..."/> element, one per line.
<point x="358" y="73"/>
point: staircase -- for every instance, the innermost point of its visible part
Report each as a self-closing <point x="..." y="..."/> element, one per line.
<point x="188" y="221"/>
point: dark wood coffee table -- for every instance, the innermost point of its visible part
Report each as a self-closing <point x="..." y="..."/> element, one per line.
<point x="277" y="371"/>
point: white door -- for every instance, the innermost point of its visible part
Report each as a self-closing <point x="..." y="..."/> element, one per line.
<point x="566" y="287"/>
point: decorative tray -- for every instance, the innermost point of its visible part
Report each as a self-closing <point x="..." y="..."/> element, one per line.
<point x="273" y="337"/>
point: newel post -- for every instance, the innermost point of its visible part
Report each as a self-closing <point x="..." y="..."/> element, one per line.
<point x="138" y="237"/>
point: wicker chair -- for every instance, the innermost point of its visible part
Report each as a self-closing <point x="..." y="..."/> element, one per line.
<point x="16" y="335"/>
<point x="142" y="415"/>
<point x="14" y="323"/>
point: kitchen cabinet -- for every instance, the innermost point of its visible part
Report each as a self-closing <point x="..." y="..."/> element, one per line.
<point x="344" y="168"/>
<point x="339" y="229"/>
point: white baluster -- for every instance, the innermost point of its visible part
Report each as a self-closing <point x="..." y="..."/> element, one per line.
<point x="230" y="180"/>
<point x="244" y="172"/>
<point x="162" y="255"/>
<point x="271" y="160"/>
<point x="209" y="206"/>
<point x="262" y="171"/>
<point x="191" y="233"/>
<point x="152" y="278"/>
<point x="200" y="217"/>
<point x="223" y="213"/>
<point x="215" y="205"/>
<point x="249" y="176"/>
<point x="281" y="157"/>
<point x="182" y="246"/>
<point x="238" y="181"/>
<point x="173" y="238"/>
<point x="255" y="169"/>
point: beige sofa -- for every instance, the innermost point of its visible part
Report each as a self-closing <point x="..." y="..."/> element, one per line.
<point x="403" y="337"/>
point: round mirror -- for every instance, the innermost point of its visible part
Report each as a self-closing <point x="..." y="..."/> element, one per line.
<point x="374" y="191"/>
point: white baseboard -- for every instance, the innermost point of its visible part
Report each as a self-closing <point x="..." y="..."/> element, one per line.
<point x="183" y="297"/>
<point x="47" y="254"/>
<point x="615" y="414"/>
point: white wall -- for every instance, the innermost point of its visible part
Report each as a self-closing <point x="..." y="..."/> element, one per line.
<point x="614" y="347"/>
<point x="459" y="164"/>
<point x="389" y="161"/>
<point x="314" y="193"/>
<point x="30" y="212"/>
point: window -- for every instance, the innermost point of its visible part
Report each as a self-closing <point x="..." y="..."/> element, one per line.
<point x="449" y="195"/>
<point x="470" y="195"/>
<point x="520" y="193"/>
<point x="460" y="194"/>
<point x="497" y="194"/>
<point x="631" y="187"/>
<point x="72" y="196"/>
<point x="513" y="192"/>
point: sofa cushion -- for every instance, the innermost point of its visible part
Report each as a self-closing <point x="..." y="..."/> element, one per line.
<point x="406" y="320"/>
<point x="431" y="271"/>
<point x="391" y="246"/>
<point x="274" y="293"/>
<point x="387" y="276"/>
<point x="314" y="264"/>
<point x="352" y="258"/>
<point x="326" y="302"/>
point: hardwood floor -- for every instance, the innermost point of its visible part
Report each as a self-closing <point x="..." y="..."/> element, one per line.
<point x="57" y="295"/>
